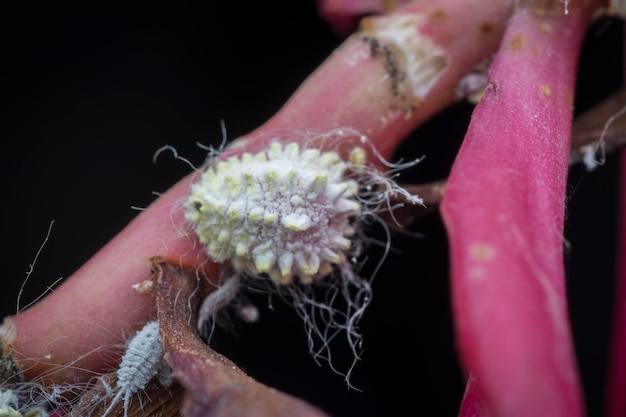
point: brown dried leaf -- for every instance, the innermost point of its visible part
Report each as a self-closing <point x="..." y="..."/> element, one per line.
<point x="214" y="386"/>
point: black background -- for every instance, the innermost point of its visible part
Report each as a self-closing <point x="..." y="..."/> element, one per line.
<point x="91" y="91"/>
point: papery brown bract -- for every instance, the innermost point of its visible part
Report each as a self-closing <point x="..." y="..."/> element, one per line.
<point x="214" y="386"/>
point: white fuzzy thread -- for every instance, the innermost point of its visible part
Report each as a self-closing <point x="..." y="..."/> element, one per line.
<point x="30" y="272"/>
<point x="34" y="398"/>
<point x="142" y="361"/>
<point x="39" y="395"/>
<point x="218" y="299"/>
<point x="593" y="155"/>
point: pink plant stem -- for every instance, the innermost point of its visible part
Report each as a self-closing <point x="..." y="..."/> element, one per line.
<point x="616" y="399"/>
<point x="356" y="87"/>
<point x="364" y="85"/>
<point x="504" y="210"/>
<point x="77" y="323"/>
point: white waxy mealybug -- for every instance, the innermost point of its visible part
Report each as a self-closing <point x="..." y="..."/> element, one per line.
<point x="284" y="212"/>
<point x="142" y="361"/>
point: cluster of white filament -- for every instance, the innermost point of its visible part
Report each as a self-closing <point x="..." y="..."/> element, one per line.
<point x="142" y="361"/>
<point x="10" y="406"/>
<point x="292" y="214"/>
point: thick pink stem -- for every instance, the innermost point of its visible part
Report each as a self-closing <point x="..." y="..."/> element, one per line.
<point x="504" y="209"/>
<point x="391" y="76"/>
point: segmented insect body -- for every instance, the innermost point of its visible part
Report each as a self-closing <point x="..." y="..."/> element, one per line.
<point x="142" y="361"/>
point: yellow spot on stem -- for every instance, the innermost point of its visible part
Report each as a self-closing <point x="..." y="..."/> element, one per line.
<point x="545" y="27"/>
<point x="367" y="24"/>
<point x="517" y="42"/>
<point x="389" y="5"/>
<point x="545" y="90"/>
<point x="438" y="16"/>
<point x="482" y="251"/>
<point x="416" y="103"/>
<point x="486" y="29"/>
<point x="547" y="7"/>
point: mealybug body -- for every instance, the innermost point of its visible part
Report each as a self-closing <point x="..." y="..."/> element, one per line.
<point x="142" y="361"/>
